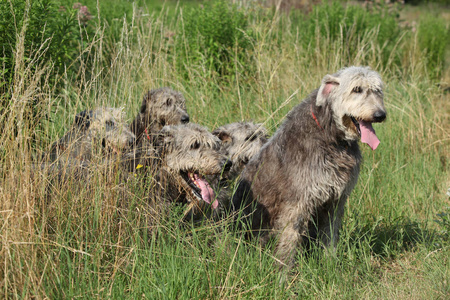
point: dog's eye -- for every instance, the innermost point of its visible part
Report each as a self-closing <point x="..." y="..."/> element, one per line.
<point x="109" y="125"/>
<point x="169" y="101"/>
<point x="357" y="89"/>
<point x="195" y="146"/>
<point x="251" y="138"/>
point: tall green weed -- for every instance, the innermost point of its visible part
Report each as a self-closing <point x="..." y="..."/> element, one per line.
<point x="351" y="24"/>
<point x="46" y="25"/>
<point x="216" y="36"/>
<point x="433" y="38"/>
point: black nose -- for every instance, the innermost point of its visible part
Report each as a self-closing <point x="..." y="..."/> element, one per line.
<point x="227" y="166"/>
<point x="185" y="119"/>
<point x="379" y="116"/>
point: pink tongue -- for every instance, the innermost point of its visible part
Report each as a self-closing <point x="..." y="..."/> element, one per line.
<point x="368" y="135"/>
<point x="207" y="191"/>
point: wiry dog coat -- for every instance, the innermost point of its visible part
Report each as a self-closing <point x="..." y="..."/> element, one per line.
<point x="304" y="174"/>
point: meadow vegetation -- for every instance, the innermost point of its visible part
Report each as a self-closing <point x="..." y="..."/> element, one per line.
<point x="102" y="239"/>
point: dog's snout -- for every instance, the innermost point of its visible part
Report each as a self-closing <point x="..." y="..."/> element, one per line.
<point x="185" y="119"/>
<point x="227" y="166"/>
<point x="379" y="116"/>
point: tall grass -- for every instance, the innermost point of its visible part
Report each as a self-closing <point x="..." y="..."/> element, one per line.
<point x="101" y="238"/>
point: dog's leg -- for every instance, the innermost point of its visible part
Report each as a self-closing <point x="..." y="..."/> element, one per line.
<point x="337" y="221"/>
<point x="291" y="225"/>
<point x="329" y="223"/>
<point x="289" y="240"/>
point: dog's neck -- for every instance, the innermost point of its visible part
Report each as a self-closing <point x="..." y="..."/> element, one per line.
<point x="327" y="123"/>
<point x="314" y="117"/>
<point x="143" y="128"/>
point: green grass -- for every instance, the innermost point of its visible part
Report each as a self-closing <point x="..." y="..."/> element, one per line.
<point x="102" y="239"/>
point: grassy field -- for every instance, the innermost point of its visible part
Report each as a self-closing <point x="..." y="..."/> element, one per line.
<point x="101" y="239"/>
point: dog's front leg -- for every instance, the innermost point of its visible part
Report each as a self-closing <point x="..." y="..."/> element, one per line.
<point x="291" y="225"/>
<point x="330" y="220"/>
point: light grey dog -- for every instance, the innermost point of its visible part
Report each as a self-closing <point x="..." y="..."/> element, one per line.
<point x="189" y="167"/>
<point x="101" y="131"/>
<point x="98" y="138"/>
<point x="300" y="180"/>
<point x="241" y="141"/>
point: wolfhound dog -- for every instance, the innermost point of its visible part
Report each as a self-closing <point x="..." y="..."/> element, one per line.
<point x="159" y="107"/>
<point x="190" y="166"/>
<point x="240" y="142"/>
<point x="304" y="174"/>
<point x="102" y="132"/>
<point x="97" y="140"/>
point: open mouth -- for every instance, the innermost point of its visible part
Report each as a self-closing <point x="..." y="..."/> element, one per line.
<point x="200" y="188"/>
<point x="366" y="132"/>
<point x="356" y="123"/>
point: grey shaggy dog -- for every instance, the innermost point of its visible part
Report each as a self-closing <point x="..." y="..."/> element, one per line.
<point x="189" y="167"/>
<point x="299" y="182"/>
<point x="102" y="132"/>
<point x="98" y="139"/>
<point x="160" y="107"/>
<point x="241" y="141"/>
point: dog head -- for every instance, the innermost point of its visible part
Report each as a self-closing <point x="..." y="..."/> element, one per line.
<point x="190" y="154"/>
<point x="241" y="141"/>
<point x="101" y="131"/>
<point x="355" y="95"/>
<point x="162" y="107"/>
<point x="105" y="126"/>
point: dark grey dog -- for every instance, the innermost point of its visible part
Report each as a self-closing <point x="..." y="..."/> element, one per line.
<point x="241" y="141"/>
<point x="159" y="107"/>
<point x="304" y="174"/>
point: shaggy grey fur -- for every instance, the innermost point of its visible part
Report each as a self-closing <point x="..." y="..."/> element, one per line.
<point x="304" y="174"/>
<point x="101" y="132"/>
<point x="241" y="141"/>
<point x="159" y="107"/>
<point x="98" y="140"/>
<point x="189" y="167"/>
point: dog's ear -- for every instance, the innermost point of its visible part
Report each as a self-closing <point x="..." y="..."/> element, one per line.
<point x="262" y="131"/>
<point x="223" y="136"/>
<point x="147" y="98"/>
<point x="143" y="107"/>
<point x="83" y="120"/>
<point x="329" y="84"/>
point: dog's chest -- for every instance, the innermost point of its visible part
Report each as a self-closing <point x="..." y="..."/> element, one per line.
<point x="341" y="170"/>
